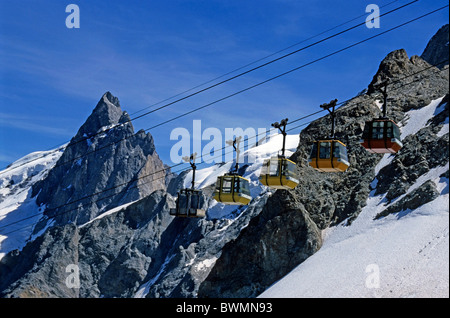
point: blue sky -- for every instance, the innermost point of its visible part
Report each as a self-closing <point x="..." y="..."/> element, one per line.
<point x="51" y="77"/>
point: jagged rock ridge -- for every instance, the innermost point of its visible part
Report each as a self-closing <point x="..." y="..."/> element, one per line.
<point x="104" y="157"/>
<point x="437" y="49"/>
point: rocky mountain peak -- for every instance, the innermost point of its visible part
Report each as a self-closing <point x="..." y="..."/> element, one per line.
<point x="395" y="65"/>
<point x="106" y="114"/>
<point x="437" y="49"/>
<point x="105" y="157"/>
<point x="110" y="98"/>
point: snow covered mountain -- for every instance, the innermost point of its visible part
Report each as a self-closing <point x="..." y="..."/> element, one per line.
<point x="153" y="212"/>
<point x="403" y="253"/>
<point x="18" y="209"/>
<point x="378" y="230"/>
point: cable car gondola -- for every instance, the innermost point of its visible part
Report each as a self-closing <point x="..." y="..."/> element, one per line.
<point x="381" y="135"/>
<point x="279" y="172"/>
<point x="190" y="201"/>
<point x="329" y="155"/>
<point x="231" y="188"/>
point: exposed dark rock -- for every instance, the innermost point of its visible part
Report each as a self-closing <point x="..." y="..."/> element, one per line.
<point x="425" y="193"/>
<point x="113" y="254"/>
<point x="279" y="238"/>
<point x="39" y="270"/>
<point x="437" y="49"/>
<point x="104" y="157"/>
<point x="420" y="153"/>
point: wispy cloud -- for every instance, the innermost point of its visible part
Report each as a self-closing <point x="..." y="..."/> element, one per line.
<point x="31" y="124"/>
<point x="101" y="68"/>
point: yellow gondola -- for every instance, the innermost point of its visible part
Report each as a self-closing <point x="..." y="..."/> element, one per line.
<point x="279" y="172"/>
<point x="329" y="155"/>
<point x="232" y="189"/>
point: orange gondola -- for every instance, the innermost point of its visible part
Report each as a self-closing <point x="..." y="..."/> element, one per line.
<point x="329" y="155"/>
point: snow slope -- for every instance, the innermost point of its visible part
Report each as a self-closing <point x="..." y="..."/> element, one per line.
<point x="418" y="118"/>
<point x="402" y="255"/>
<point x="18" y="211"/>
<point x="405" y="254"/>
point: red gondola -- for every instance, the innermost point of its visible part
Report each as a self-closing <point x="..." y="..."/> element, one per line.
<point x="382" y="135"/>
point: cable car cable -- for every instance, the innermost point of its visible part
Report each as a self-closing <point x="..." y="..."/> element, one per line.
<point x="236" y="76"/>
<point x="99" y="192"/>
<point x="260" y="59"/>
<point x="165" y="169"/>
<point x="294" y="69"/>
<point x="304" y="117"/>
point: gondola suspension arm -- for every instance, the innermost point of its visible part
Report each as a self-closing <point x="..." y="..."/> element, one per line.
<point x="191" y="160"/>
<point x="327" y="106"/>
<point x="282" y="127"/>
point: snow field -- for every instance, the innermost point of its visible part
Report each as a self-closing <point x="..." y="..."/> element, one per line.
<point x="18" y="211"/>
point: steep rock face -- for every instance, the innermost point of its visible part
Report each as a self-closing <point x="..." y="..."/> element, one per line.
<point x="279" y="238"/>
<point x="413" y="82"/>
<point x="422" y="151"/>
<point x="39" y="270"/>
<point x="98" y="167"/>
<point x="189" y="255"/>
<point x="127" y="243"/>
<point x="437" y="49"/>
<point x="112" y="254"/>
